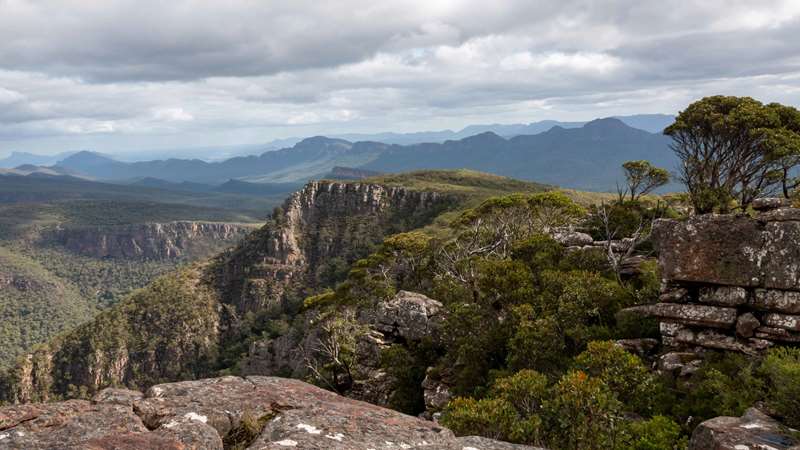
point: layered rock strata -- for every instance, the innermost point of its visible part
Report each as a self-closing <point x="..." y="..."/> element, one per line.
<point x="730" y="282"/>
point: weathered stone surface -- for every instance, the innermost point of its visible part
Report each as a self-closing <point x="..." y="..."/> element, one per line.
<point x="702" y="315"/>
<point x="777" y="334"/>
<point x="778" y="301"/>
<point x="570" y="238"/>
<point x="724" y="295"/>
<point x="679" y="363"/>
<point x="754" y="430"/>
<point x="674" y="295"/>
<point x="709" y="338"/>
<point x="780" y="215"/>
<point x="202" y="414"/>
<point x="640" y="347"/>
<point x="114" y="396"/>
<point x="408" y="315"/>
<point x="436" y="393"/>
<point x="746" y="325"/>
<point x="770" y="203"/>
<point x="785" y="321"/>
<point x="713" y="249"/>
<point x="779" y="257"/>
<point x="71" y="424"/>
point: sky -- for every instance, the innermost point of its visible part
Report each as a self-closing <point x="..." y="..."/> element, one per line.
<point x="117" y="76"/>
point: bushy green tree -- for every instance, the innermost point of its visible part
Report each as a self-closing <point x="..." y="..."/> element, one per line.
<point x="730" y="149"/>
<point x="642" y="178"/>
<point x="781" y="368"/>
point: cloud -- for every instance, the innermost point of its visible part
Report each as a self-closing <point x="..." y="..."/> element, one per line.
<point x="205" y="69"/>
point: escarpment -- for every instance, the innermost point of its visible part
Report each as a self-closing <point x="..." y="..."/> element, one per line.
<point x="730" y="282"/>
<point x="186" y="325"/>
<point x="154" y="241"/>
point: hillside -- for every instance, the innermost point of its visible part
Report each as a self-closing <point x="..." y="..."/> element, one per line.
<point x="71" y="248"/>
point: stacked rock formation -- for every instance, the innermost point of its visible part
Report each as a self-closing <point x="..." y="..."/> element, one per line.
<point x="730" y="282"/>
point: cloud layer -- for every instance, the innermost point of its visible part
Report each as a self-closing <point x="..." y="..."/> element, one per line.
<point x="120" y="74"/>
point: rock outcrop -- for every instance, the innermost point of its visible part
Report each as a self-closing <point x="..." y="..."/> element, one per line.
<point x="754" y="430"/>
<point x="229" y="412"/>
<point x="152" y="241"/>
<point x="730" y="282"/>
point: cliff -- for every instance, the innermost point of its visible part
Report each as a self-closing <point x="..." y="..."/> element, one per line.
<point x="228" y="412"/>
<point x="190" y="323"/>
<point x="153" y="241"/>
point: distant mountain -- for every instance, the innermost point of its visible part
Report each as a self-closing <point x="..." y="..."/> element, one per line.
<point x="22" y="158"/>
<point x="653" y="123"/>
<point x="585" y="157"/>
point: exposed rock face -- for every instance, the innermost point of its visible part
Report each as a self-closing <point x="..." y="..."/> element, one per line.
<point x="253" y="412"/>
<point x="754" y="430"/>
<point x="408" y="315"/>
<point x="154" y="241"/>
<point x="731" y="282"/>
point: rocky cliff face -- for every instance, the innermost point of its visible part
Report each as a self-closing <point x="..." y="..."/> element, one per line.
<point x="184" y="325"/>
<point x="325" y="220"/>
<point x="154" y="241"/>
<point x="224" y="413"/>
<point x="730" y="282"/>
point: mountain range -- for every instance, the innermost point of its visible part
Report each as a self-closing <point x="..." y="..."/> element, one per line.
<point x="585" y="157"/>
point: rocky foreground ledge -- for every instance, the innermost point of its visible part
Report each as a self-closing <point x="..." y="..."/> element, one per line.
<point x="225" y="413"/>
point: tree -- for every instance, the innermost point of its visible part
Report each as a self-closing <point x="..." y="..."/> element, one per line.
<point x="642" y="178"/>
<point x="731" y="149"/>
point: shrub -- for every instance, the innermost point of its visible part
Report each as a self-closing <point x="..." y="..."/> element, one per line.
<point x="582" y="413"/>
<point x="622" y="372"/>
<point x="781" y="368"/>
<point x="657" y="433"/>
<point x="494" y="418"/>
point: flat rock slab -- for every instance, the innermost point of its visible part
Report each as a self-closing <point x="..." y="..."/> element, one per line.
<point x="754" y="430"/>
<point x="732" y="250"/>
<point x="203" y="414"/>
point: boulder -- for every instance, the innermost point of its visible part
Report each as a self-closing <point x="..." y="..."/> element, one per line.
<point x="778" y="301"/>
<point x="640" y="347"/>
<point x="408" y="315"/>
<point x="754" y="430"/>
<point x="746" y="325"/>
<point x="252" y="413"/>
<point x="570" y="238"/>
<point x="723" y="295"/>
<point x="770" y="203"/>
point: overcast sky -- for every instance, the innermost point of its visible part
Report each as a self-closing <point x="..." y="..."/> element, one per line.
<point x="114" y="76"/>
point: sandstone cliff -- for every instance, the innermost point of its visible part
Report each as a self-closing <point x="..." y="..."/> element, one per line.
<point x="154" y="241"/>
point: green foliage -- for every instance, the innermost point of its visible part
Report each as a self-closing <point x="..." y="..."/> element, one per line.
<point x="781" y="369"/>
<point x="656" y="433"/>
<point x="494" y="418"/>
<point x="536" y="343"/>
<point x="642" y="178"/>
<point x="624" y="374"/>
<point x="407" y="365"/>
<point x="582" y="413"/>
<point x="762" y="140"/>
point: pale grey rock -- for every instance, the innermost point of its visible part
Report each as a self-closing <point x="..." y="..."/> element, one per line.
<point x="702" y="315"/>
<point x="753" y="431"/>
<point x="723" y="295"/>
<point x="770" y="203"/>
<point x="777" y="301"/>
